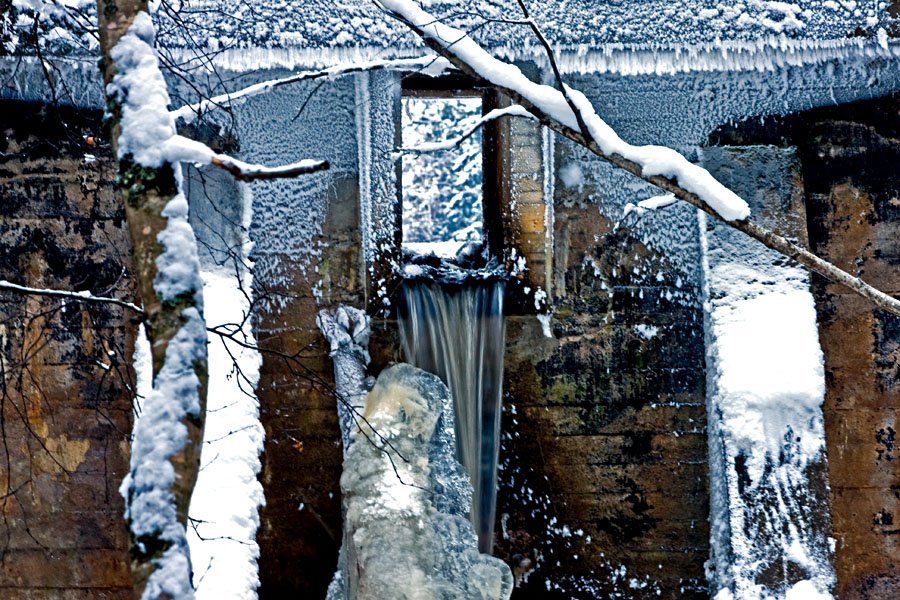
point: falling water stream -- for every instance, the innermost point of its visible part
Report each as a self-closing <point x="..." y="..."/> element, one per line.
<point x="457" y="332"/>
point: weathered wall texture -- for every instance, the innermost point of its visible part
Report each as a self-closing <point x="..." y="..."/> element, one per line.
<point x="65" y="405"/>
<point x="604" y="487"/>
<point x="851" y="161"/>
<point x="525" y="217"/>
<point x="308" y="255"/>
<point x="604" y="481"/>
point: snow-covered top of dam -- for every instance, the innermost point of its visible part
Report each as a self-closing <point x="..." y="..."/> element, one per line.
<point x="593" y="23"/>
<point x="623" y="36"/>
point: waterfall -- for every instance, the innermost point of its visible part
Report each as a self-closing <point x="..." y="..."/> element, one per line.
<point x="458" y="333"/>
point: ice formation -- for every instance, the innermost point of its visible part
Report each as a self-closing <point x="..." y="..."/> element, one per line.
<point x="347" y="331"/>
<point x="234" y="26"/>
<point x="397" y="544"/>
<point x="625" y="36"/>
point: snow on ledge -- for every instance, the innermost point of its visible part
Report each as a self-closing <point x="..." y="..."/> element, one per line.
<point x="440" y="249"/>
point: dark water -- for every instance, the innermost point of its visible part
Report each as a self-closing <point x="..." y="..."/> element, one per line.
<point x="458" y="333"/>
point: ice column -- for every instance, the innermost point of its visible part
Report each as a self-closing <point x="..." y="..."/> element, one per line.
<point x="405" y="497"/>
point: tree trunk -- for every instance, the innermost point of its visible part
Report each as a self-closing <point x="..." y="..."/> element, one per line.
<point x="146" y="192"/>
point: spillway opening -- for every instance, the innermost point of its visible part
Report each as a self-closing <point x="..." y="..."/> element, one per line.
<point x="450" y="168"/>
<point x="457" y="331"/>
<point x="442" y="187"/>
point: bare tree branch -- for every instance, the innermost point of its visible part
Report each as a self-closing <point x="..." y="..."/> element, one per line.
<point x="79" y="296"/>
<point x="466" y="55"/>
<point x="513" y="111"/>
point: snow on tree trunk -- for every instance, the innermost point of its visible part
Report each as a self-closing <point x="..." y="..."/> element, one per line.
<point x="167" y="439"/>
<point x="406" y="534"/>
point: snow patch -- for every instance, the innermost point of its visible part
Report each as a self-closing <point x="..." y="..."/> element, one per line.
<point x="544" y="320"/>
<point x="227" y="495"/>
<point x="765" y="387"/>
<point x="647" y="332"/>
<point x="447" y="249"/>
<point x="806" y="590"/>
<point x="571" y="175"/>
<point x="177" y="267"/>
<point x="654" y="203"/>
<point x="770" y="368"/>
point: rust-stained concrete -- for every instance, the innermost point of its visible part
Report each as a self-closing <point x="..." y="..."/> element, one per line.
<point x="604" y="446"/>
<point x="851" y="157"/>
<point x="65" y="412"/>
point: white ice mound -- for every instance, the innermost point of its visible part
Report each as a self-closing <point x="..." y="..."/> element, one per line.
<point x="399" y="475"/>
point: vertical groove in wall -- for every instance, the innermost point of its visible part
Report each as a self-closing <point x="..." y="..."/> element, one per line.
<point x="364" y="154"/>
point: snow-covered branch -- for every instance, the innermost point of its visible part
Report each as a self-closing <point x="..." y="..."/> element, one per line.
<point x="79" y="296"/>
<point x="428" y="65"/>
<point x="565" y="113"/>
<point x="178" y="148"/>
<point x="654" y="203"/>
<point x="448" y="144"/>
<point x="148" y="132"/>
<point x="582" y="126"/>
<point x="249" y="172"/>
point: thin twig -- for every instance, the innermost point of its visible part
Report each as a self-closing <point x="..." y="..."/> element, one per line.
<point x="513" y="111"/>
<point x="556" y="73"/>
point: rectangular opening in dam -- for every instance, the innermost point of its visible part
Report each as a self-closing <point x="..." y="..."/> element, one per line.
<point x="442" y="171"/>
